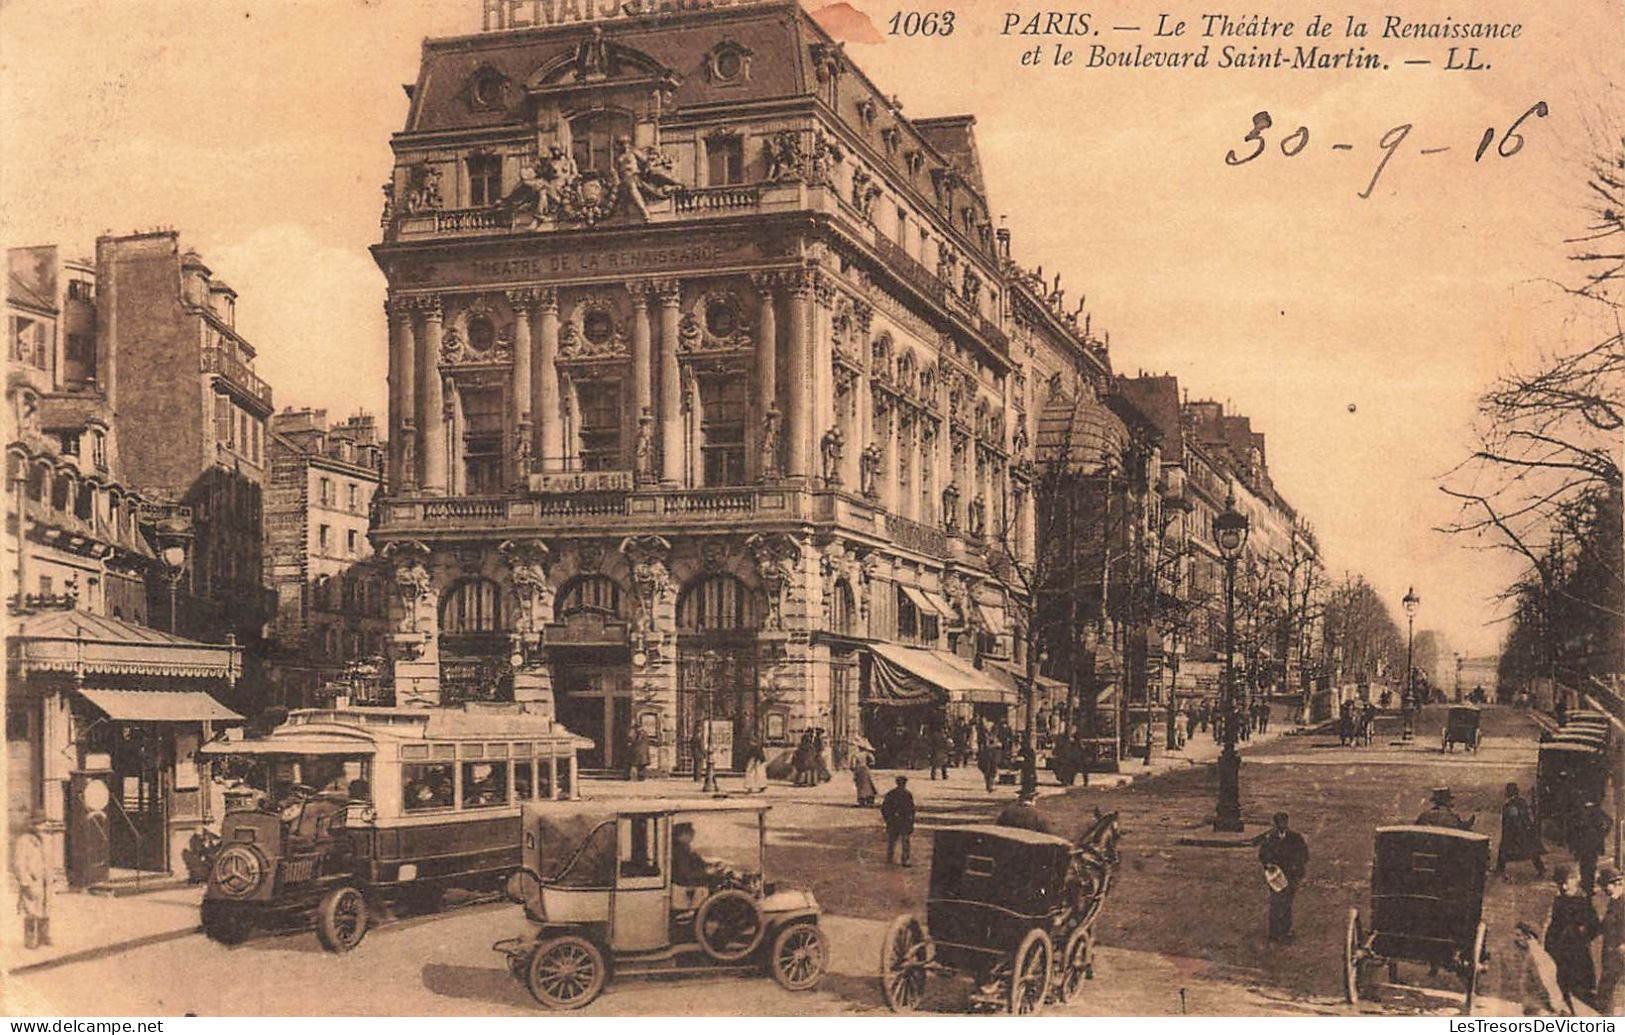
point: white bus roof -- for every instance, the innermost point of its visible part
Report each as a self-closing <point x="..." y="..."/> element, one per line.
<point x="359" y="731"/>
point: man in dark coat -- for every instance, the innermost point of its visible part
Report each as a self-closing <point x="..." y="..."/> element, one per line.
<point x="897" y="810"/>
<point x="1442" y="812"/>
<point x="1024" y="815"/>
<point x="1611" y="985"/>
<point x="1519" y="838"/>
<point x="1285" y="850"/>
<point x="805" y="761"/>
<point x="939" y="752"/>
<point x="1588" y="839"/>
<point x="637" y="753"/>
<point x="989" y="759"/>
<point x="1568" y="938"/>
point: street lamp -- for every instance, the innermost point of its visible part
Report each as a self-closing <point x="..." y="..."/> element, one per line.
<point x="174" y="536"/>
<point x="1229" y="535"/>
<point x="710" y="784"/>
<point x="1410" y="602"/>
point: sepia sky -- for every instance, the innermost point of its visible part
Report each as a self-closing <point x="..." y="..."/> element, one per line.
<point x="260" y="128"/>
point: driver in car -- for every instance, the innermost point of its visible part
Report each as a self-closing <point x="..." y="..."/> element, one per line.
<point x="688" y="867"/>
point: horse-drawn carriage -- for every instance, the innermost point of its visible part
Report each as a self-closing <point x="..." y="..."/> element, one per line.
<point x="1461" y="727"/>
<point x="1427" y="902"/>
<point x="1015" y="909"/>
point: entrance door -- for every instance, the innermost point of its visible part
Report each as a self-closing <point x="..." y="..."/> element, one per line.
<point x="596" y="702"/>
<point x="139" y="812"/>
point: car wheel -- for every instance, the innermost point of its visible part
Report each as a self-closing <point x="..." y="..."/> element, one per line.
<point x="566" y="973"/>
<point x="729" y="926"/>
<point x="341" y="919"/>
<point x="800" y="956"/>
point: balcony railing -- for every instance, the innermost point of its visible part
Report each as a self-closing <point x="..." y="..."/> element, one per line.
<point x="910" y="269"/>
<point x="717" y="199"/>
<point x="223" y="364"/>
<point x="911" y="535"/>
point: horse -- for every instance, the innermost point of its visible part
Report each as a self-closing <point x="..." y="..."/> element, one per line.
<point x="1093" y="865"/>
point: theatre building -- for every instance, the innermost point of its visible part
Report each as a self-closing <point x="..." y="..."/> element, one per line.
<point x="711" y="389"/>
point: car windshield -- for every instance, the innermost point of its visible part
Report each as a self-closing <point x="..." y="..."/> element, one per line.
<point x="715" y="841"/>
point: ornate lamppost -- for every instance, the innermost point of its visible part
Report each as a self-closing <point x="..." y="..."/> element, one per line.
<point x="174" y="536"/>
<point x="1230" y="536"/>
<point x="1410" y="602"/>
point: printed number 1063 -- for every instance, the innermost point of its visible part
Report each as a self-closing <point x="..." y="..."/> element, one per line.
<point x="922" y="23"/>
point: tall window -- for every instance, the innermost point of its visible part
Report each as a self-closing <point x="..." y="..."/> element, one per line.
<point x="484" y="180"/>
<point x="593" y="139"/>
<point x="325" y="492"/>
<point x="714" y="603"/>
<point x="222" y="419"/>
<point x="483" y="422"/>
<point x="28" y="342"/>
<point x="908" y="617"/>
<point x="722" y="401"/>
<point x="600" y="406"/>
<point x="725" y="160"/>
<point x="596" y="593"/>
<point x="472" y="606"/>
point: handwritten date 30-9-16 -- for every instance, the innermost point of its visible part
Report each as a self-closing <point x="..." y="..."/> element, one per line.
<point x="1293" y="144"/>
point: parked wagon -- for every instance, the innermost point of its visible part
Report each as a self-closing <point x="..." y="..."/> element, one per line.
<point x="1013" y="909"/>
<point x="656" y="887"/>
<point x="1567" y="775"/>
<point x="1427" y="904"/>
<point x="1461" y="727"/>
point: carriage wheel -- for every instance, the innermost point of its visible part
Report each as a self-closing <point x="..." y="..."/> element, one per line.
<point x="1475" y="967"/>
<point x="903" y="956"/>
<point x="1030" y="973"/>
<point x="729" y="926"/>
<point x="1077" y="965"/>
<point x="800" y="956"/>
<point x="1353" y="950"/>
<point x="566" y="973"/>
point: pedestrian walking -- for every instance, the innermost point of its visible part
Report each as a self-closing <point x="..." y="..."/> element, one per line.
<point x="696" y="749"/>
<point x="1573" y="925"/>
<point x="1023" y="814"/>
<point x="637" y="753"/>
<point x="1190" y="723"/>
<point x="1284" y="855"/>
<point x="939" y="752"/>
<point x="755" y="766"/>
<point x="822" y="761"/>
<point x="1611" y="981"/>
<point x="1519" y="838"/>
<point x="1588" y="839"/>
<point x="805" y="761"/>
<point x="863" y="781"/>
<point x="897" y="811"/>
<point x="33" y="879"/>
<point x="988" y="761"/>
<point x="1442" y="812"/>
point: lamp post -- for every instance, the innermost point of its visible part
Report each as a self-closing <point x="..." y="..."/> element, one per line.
<point x="710" y="784"/>
<point x="174" y="536"/>
<point x="1229" y="535"/>
<point x="1410" y="602"/>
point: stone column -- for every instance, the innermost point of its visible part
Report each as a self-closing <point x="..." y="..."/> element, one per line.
<point x="767" y="362"/>
<point x="891" y="445"/>
<point x="544" y="387"/>
<point x="520" y="401"/>
<point x="671" y="399"/>
<point x="642" y="362"/>
<point x="402" y="396"/>
<point x="862" y="430"/>
<point x="432" y="399"/>
<point x="799" y="421"/>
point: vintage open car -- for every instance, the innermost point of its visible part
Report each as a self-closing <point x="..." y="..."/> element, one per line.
<point x="1427" y="905"/>
<point x="1461" y="727"/>
<point x="1014" y="909"/>
<point x="345" y="814"/>
<point x="659" y="886"/>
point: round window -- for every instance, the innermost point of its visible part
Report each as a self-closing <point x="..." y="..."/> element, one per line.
<point x="488" y="91"/>
<point x="729" y="64"/>
<point x="597" y="326"/>
<point x="721" y="320"/>
<point x="481" y="334"/>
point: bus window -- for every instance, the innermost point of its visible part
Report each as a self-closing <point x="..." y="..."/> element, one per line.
<point x="485" y="784"/>
<point x="544" y="779"/>
<point x="428" y="786"/>
<point x="524" y="781"/>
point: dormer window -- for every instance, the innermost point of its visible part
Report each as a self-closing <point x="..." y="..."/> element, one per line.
<point x="487" y="90"/>
<point x="728" y="62"/>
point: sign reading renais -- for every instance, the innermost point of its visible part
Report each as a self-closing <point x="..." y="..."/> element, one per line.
<point x="501" y="15"/>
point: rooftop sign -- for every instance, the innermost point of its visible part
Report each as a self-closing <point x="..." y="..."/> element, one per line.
<point x="502" y="15"/>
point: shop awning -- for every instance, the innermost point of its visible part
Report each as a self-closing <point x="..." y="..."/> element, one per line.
<point x="160" y="706"/>
<point x="921" y="600"/>
<point x="1018" y="675"/>
<point x="915" y="675"/>
<point x="993" y="618"/>
<point x="940" y="603"/>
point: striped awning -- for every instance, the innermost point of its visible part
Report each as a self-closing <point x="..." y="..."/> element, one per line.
<point x="915" y="675"/>
<point x="160" y="706"/>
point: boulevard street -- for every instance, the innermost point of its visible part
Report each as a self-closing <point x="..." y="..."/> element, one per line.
<point x="1174" y="913"/>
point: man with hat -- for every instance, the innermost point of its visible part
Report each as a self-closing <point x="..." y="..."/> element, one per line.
<point x="1442" y="813"/>
<point x="1519" y="838"/>
<point x="1588" y="839"/>
<point x="1284" y="855"/>
<point x="1023" y="813"/>
<point x="897" y="810"/>
<point x="1611" y="984"/>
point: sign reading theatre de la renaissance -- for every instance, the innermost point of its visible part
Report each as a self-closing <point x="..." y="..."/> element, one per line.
<point x="501" y="15"/>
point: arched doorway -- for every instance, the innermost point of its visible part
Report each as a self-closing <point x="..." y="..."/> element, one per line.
<point x="475" y="646"/>
<point x="592" y="675"/>
<point x="717" y="620"/>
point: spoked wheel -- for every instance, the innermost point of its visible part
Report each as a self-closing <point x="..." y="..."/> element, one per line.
<point x="729" y="926"/>
<point x="1077" y="965"/>
<point x="1353" y="956"/>
<point x="566" y="973"/>
<point x="1476" y="964"/>
<point x="1030" y="973"/>
<point x="800" y="956"/>
<point x="341" y="919"/>
<point x="903" y="957"/>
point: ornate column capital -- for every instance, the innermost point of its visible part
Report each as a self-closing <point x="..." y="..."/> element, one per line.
<point x="398" y="306"/>
<point x="523" y="300"/>
<point x="546" y="299"/>
<point x="802" y="282"/>
<point x="639" y="292"/>
<point x="669" y="291"/>
<point x="431" y="307"/>
<point x="863" y="314"/>
<point x="765" y="283"/>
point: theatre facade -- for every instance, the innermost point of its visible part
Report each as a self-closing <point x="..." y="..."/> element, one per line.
<point x="711" y="390"/>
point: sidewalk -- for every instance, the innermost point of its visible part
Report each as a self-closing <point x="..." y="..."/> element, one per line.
<point x="84" y="926"/>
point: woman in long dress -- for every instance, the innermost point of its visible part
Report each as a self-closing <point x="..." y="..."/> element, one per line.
<point x="862" y="780"/>
<point x="755" y="766"/>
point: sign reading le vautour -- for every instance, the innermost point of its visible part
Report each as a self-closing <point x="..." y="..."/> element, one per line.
<point x="500" y="15"/>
